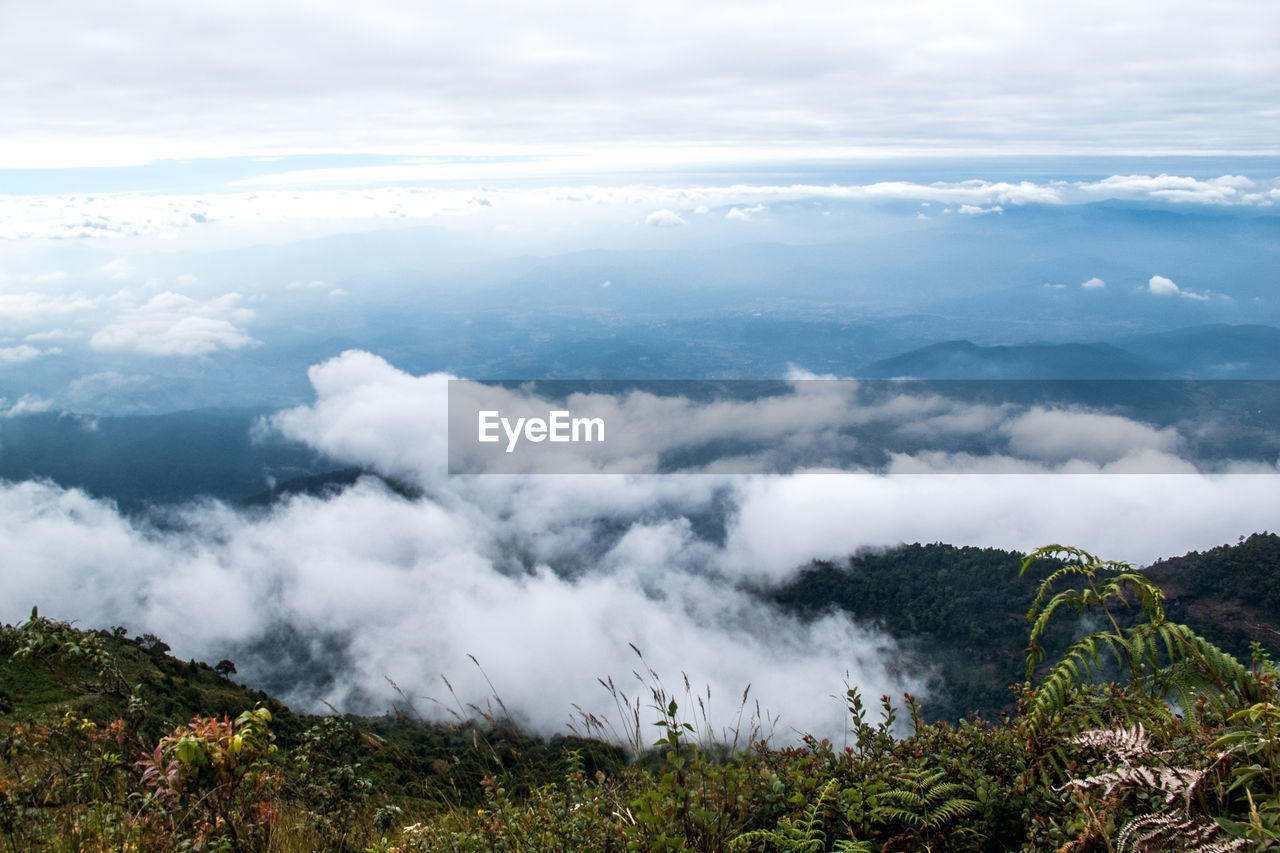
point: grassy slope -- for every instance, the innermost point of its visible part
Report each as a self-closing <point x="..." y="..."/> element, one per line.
<point x="404" y="756"/>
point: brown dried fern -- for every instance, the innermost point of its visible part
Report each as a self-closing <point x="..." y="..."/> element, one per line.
<point x="1175" y="831"/>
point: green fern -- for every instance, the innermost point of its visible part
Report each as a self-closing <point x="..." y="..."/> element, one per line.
<point x="805" y="833"/>
<point x="1163" y="659"/>
<point x="924" y="803"/>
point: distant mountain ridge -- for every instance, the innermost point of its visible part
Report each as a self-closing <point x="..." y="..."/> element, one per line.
<point x="145" y="460"/>
<point x="1215" y="351"/>
<point x="963" y="359"/>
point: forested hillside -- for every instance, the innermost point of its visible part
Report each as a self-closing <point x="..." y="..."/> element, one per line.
<point x="962" y="610"/>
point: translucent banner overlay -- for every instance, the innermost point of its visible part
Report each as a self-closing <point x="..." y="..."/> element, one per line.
<point x="864" y="426"/>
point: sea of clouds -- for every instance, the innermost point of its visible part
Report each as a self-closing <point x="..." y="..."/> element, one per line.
<point x="319" y="195"/>
<point x="549" y="580"/>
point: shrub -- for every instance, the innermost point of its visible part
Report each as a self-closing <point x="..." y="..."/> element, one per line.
<point x="211" y="784"/>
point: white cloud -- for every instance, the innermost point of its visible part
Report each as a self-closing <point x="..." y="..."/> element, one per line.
<point x="368" y="569"/>
<point x="742" y="214"/>
<point x="663" y="218"/>
<point x="171" y="324"/>
<point x="87" y="389"/>
<point x="117" y="268"/>
<point x="25" y="405"/>
<point x="367" y="411"/>
<point x="167" y="215"/>
<point x="1049" y="286"/>
<point x="1094" y="284"/>
<point x="358" y="391"/>
<point x="1163" y="286"/>
<point x="783" y="520"/>
<point x="815" y="424"/>
<point x="23" y="352"/>
<point x="29" y="308"/>
<point x="51" y="335"/>
<point x="1056" y="436"/>
<point x="1226" y="189"/>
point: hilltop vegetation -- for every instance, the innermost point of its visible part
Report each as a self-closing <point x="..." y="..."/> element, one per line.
<point x="962" y="610"/>
<point x="1135" y="734"/>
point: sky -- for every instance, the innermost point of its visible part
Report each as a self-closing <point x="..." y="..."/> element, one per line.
<point x="133" y="82"/>
<point x="325" y="210"/>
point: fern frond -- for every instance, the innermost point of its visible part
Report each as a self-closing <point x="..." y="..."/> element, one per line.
<point x="902" y="798"/>
<point x="1105" y="582"/>
<point x="887" y="813"/>
<point x="1210" y="666"/>
<point x="801" y="835"/>
<point x="1120" y="745"/>
<point x="1175" y="781"/>
<point x="1163" y="832"/>
<point x="951" y="810"/>
<point x="1164" y="659"/>
<point x="769" y="835"/>
<point x="924" y="801"/>
<point x="1077" y="667"/>
<point x="844" y="845"/>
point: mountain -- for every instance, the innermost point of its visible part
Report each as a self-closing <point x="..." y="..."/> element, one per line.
<point x="960" y="613"/>
<point x="965" y="360"/>
<point x="1230" y="594"/>
<point x="1208" y="352"/>
<point x="326" y="485"/>
<point x="1211" y="352"/>
<point x="138" y="460"/>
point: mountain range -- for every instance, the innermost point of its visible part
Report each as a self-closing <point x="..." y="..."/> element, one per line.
<point x="1208" y="352"/>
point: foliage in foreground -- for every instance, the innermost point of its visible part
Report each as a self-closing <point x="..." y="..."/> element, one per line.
<point x="1143" y="736"/>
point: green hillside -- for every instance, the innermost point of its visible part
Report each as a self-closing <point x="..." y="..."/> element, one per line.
<point x="962" y="610"/>
<point x="1137" y="733"/>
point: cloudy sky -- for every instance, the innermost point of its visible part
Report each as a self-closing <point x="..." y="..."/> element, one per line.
<point x="89" y="83"/>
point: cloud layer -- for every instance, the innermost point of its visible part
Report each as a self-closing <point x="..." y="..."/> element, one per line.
<point x="272" y="77"/>
<point x="126" y="215"/>
<point x="547" y="580"/>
